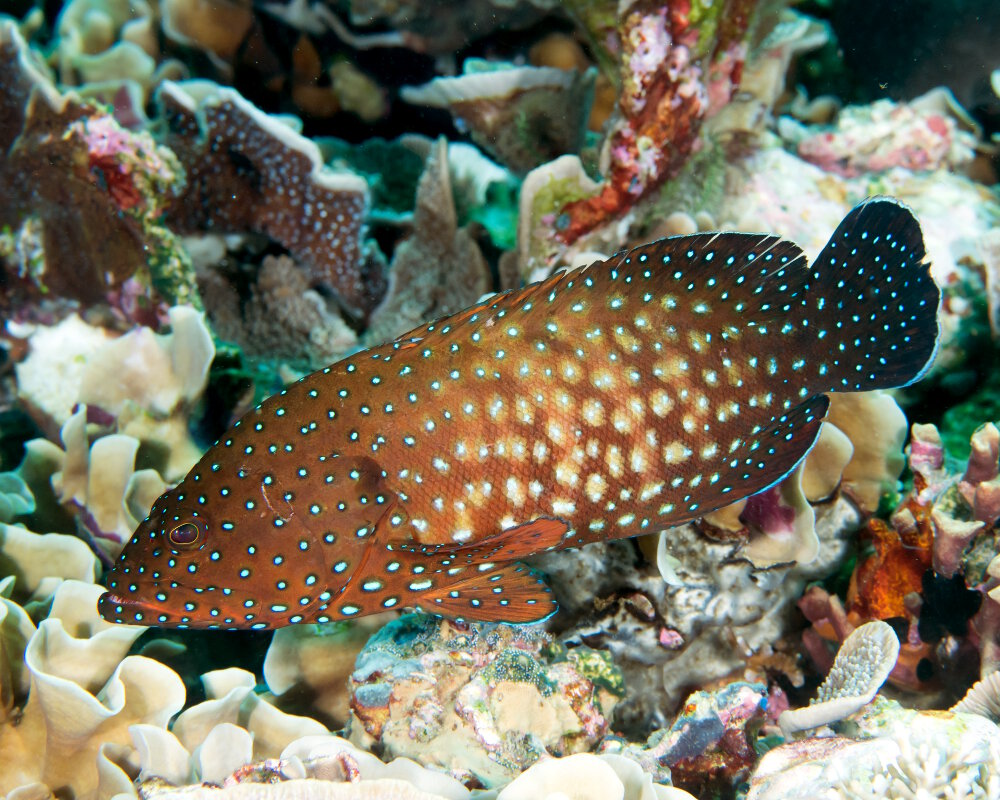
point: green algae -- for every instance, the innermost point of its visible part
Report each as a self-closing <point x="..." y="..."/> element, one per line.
<point x="597" y="666"/>
<point x="498" y="215"/>
<point x="518" y="666"/>
<point x="171" y="271"/>
<point x="392" y="170"/>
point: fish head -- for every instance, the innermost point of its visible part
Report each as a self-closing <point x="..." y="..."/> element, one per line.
<point x="241" y="561"/>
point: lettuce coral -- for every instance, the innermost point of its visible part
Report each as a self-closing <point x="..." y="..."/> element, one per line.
<point x="143" y="384"/>
<point x="83" y="693"/>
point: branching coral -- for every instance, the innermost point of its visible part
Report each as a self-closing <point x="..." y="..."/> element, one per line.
<point x="902" y="755"/>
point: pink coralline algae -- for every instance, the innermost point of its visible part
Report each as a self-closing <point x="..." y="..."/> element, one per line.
<point x="249" y="172"/>
<point x="885" y="135"/>
<point x="679" y="64"/>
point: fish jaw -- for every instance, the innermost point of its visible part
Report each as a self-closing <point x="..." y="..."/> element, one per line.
<point x="209" y="608"/>
<point x="128" y="609"/>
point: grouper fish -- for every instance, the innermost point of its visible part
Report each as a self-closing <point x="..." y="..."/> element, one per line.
<point x="617" y="399"/>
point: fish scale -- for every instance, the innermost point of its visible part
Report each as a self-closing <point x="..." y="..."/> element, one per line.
<point x="625" y="397"/>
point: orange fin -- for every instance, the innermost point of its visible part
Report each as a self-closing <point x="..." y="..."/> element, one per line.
<point x="511" y="593"/>
<point x="511" y="544"/>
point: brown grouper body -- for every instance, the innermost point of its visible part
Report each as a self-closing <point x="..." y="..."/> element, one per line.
<point x="622" y="398"/>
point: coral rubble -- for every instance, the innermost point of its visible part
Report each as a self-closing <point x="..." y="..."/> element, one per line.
<point x="480" y="701"/>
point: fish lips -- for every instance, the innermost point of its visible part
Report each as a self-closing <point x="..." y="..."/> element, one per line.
<point x="128" y="611"/>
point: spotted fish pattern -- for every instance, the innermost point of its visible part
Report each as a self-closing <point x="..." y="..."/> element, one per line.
<point x="608" y="401"/>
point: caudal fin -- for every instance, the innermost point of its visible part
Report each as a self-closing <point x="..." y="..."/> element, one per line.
<point x="873" y="300"/>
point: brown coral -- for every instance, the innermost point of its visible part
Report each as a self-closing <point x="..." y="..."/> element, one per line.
<point x="282" y="318"/>
<point x="439" y="269"/>
<point x="249" y="172"/>
<point x="80" y="195"/>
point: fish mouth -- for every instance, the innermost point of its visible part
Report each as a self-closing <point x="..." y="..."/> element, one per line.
<point x="125" y="610"/>
<point x="136" y="610"/>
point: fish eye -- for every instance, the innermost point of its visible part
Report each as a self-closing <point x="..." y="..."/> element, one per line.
<point x="186" y="535"/>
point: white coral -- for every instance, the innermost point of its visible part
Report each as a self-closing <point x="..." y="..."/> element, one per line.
<point x="924" y="769"/>
<point x="863" y="662"/>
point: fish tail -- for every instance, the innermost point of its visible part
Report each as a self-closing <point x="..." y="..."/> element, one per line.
<point x="874" y="302"/>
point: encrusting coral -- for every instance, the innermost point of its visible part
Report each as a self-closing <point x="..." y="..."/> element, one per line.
<point x="481" y="701"/>
<point x="671" y="81"/>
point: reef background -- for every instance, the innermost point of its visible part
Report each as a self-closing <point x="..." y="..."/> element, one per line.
<point x="202" y="200"/>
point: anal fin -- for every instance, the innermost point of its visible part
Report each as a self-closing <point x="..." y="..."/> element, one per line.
<point x="511" y="544"/>
<point x="509" y="593"/>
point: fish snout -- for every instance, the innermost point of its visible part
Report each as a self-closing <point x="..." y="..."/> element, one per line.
<point x="115" y="608"/>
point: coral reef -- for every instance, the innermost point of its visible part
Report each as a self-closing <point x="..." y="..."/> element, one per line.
<point x="673" y="76"/>
<point x="792" y="645"/>
<point x="439" y="268"/>
<point x="670" y="622"/>
<point x="82" y="198"/>
<point x="283" y="318"/>
<point x="523" y="116"/>
<point x="482" y="701"/>
<point x="142" y="384"/>
<point x="903" y="754"/>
